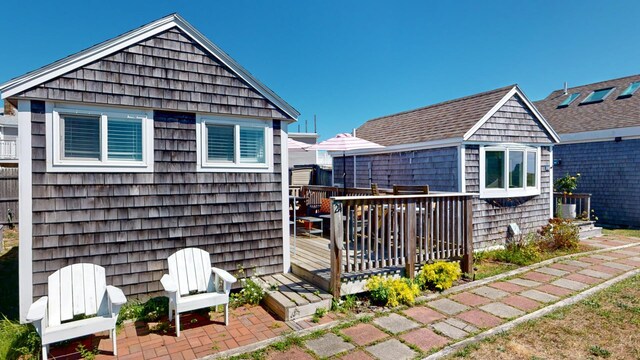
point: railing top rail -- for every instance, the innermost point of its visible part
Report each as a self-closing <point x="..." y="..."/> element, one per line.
<point x="576" y="195"/>
<point x="391" y="197"/>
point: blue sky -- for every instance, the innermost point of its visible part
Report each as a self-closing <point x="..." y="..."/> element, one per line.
<point x="350" y="61"/>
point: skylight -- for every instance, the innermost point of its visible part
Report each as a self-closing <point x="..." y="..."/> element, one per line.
<point x="631" y="89"/>
<point x="597" y="96"/>
<point x="569" y="100"/>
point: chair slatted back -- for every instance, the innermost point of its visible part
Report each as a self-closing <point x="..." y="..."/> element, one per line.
<point x="410" y="189"/>
<point x="76" y="289"/>
<point x="191" y="268"/>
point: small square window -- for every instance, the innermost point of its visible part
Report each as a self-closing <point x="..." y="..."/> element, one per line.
<point x="597" y="96"/>
<point x="630" y="90"/>
<point x="571" y="98"/>
<point x="81" y="137"/>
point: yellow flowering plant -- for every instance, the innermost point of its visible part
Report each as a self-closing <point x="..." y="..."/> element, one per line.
<point x="392" y="291"/>
<point x="439" y="275"/>
<point x="566" y="185"/>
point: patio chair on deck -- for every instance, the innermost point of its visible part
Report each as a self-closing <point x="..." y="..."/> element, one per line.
<point x="410" y="189"/>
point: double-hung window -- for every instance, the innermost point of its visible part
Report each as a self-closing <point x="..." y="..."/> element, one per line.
<point x="228" y="144"/>
<point x="87" y="139"/>
<point x="509" y="171"/>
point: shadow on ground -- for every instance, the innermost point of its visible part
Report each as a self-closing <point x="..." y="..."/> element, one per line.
<point x="9" y="284"/>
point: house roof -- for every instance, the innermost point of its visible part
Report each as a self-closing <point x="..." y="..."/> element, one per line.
<point x="611" y="113"/>
<point x="457" y="118"/>
<point x="96" y="52"/>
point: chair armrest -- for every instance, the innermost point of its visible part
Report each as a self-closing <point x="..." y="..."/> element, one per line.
<point x="37" y="310"/>
<point x="168" y="283"/>
<point x="225" y="276"/>
<point x="116" y="296"/>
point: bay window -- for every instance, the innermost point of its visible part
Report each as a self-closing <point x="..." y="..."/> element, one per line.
<point x="228" y="144"/>
<point x="103" y="140"/>
<point x="509" y="171"/>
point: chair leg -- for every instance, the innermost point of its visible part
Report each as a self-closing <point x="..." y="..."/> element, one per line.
<point x="177" y="324"/>
<point x="170" y="310"/>
<point x="113" y="339"/>
<point x="44" y="352"/>
<point x="226" y="314"/>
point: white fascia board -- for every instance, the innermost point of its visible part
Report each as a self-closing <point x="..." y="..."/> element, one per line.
<point x="106" y="48"/>
<point x="514" y="91"/>
<point x="434" y="144"/>
<point x="626" y="133"/>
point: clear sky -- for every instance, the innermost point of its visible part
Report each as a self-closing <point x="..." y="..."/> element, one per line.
<point x="350" y="61"/>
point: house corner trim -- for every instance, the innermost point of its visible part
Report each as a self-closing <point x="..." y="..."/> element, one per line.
<point x="284" y="167"/>
<point x="25" y="255"/>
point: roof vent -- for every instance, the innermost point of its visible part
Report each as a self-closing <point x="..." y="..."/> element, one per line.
<point x="566" y="88"/>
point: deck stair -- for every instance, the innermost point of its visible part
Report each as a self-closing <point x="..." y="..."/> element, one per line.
<point x="292" y="298"/>
<point x="588" y="229"/>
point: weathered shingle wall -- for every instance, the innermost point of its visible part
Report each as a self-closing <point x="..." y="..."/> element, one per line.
<point x="437" y="168"/>
<point x="512" y="123"/>
<point x="610" y="171"/>
<point x="130" y="223"/>
<point x="491" y="217"/>
<point x="168" y="71"/>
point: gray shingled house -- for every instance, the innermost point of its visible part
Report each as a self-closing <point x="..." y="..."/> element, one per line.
<point x="599" y="127"/>
<point x="495" y="144"/>
<point x="147" y="143"/>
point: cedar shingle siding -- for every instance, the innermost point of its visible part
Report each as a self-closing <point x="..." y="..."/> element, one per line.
<point x="168" y="71"/>
<point x="131" y="222"/>
<point x="610" y="172"/>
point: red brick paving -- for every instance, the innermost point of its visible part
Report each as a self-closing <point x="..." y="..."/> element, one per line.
<point x="423" y="314"/>
<point x="521" y="302"/>
<point x="357" y="355"/>
<point x="471" y="299"/>
<point x="507" y="286"/>
<point x="539" y="277"/>
<point x="606" y="269"/>
<point x="554" y="290"/>
<point x="364" y="334"/>
<point x="425" y="339"/>
<point x="480" y="318"/>
<point x="583" y="279"/>
<point x="295" y="353"/>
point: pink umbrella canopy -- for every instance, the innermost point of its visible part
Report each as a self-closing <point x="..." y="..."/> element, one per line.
<point x="297" y="145"/>
<point x="345" y="142"/>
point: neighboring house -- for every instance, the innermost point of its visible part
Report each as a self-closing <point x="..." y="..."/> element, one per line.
<point x="495" y="144"/>
<point x="139" y="146"/>
<point x="8" y="140"/>
<point x="301" y="157"/>
<point x="599" y="127"/>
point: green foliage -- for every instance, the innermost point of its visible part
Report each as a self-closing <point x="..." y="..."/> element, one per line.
<point x="251" y="293"/>
<point x="319" y="314"/>
<point x="151" y="310"/>
<point x="344" y="305"/>
<point x="18" y="341"/>
<point x="86" y="353"/>
<point x="439" y="275"/>
<point x="566" y="184"/>
<point x="519" y="253"/>
<point x="596" y="350"/>
<point x="392" y="291"/>
<point x="559" y="234"/>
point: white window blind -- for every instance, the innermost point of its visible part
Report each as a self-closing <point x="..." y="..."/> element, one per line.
<point x="252" y="146"/>
<point x="220" y="143"/>
<point x="81" y="137"/>
<point x="124" y="139"/>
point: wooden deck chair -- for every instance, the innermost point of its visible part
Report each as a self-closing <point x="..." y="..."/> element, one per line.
<point x="192" y="283"/>
<point x="410" y="189"/>
<point x="375" y="191"/>
<point x="78" y="289"/>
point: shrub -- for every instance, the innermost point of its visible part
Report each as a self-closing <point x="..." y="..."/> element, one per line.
<point x="392" y="291"/>
<point x="18" y="341"/>
<point x="559" y="234"/>
<point x="251" y="293"/>
<point x="519" y="253"/>
<point x="439" y="275"/>
<point x="151" y="310"/>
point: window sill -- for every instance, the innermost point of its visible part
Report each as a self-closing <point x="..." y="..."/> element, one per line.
<point x="508" y="194"/>
<point x="237" y="169"/>
<point x="89" y="167"/>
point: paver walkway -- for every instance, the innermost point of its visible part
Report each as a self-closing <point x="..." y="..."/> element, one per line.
<point x="407" y="334"/>
<point x="423" y="329"/>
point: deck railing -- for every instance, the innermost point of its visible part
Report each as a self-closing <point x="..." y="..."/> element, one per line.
<point x="8" y="150"/>
<point x="582" y="201"/>
<point x="379" y="232"/>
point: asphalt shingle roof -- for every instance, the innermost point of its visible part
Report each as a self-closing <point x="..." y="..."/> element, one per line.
<point x="449" y="119"/>
<point x="613" y="112"/>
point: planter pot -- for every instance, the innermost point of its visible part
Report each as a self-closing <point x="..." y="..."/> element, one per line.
<point x="309" y="225"/>
<point x="566" y="211"/>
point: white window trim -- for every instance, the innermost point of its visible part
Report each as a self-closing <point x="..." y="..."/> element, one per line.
<point x="203" y="165"/>
<point x="507" y="192"/>
<point x="55" y="161"/>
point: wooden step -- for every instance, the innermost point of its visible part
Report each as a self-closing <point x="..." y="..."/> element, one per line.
<point x="292" y="298"/>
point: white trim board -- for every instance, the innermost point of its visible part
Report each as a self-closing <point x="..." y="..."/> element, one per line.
<point x="434" y="144"/>
<point x="82" y="58"/>
<point x="514" y="91"/>
<point x="284" y="168"/>
<point x="25" y="256"/>
<point x="626" y="133"/>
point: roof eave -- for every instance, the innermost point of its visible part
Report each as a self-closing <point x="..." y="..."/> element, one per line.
<point x="60" y="67"/>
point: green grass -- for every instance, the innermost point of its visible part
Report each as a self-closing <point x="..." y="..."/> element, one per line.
<point x="622" y="232"/>
<point x="18" y="341"/>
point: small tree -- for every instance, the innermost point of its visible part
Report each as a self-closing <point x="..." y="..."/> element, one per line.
<point x="566" y="185"/>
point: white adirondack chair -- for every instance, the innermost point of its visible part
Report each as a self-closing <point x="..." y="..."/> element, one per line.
<point x="74" y="290"/>
<point x="192" y="283"/>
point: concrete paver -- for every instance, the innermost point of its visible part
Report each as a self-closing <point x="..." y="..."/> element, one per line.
<point x="395" y="323"/>
<point x="551" y="271"/>
<point x="577" y="263"/>
<point x="328" y="345"/>
<point x="461" y="325"/>
<point x="618" y="266"/>
<point x="595" y="274"/>
<point x="502" y="310"/>
<point x="391" y="349"/>
<point x="450" y="330"/>
<point x="524" y="282"/>
<point x="490" y="292"/>
<point x="569" y="284"/>
<point x="539" y="296"/>
<point x="447" y="306"/>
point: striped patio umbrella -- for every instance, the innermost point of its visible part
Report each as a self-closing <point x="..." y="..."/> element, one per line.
<point x="345" y="142"/>
<point x="295" y="145"/>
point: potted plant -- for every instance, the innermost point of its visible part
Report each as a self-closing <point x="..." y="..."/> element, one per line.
<point x="566" y="185"/>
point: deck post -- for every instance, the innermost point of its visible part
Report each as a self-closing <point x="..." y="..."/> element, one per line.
<point x="467" y="258"/>
<point x="337" y="241"/>
<point x="410" y="238"/>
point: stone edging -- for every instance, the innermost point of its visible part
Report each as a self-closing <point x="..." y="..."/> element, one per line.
<point x="534" y="315"/>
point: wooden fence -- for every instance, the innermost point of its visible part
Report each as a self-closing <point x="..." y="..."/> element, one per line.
<point x="391" y="231"/>
<point x="8" y="195"/>
<point x="582" y="201"/>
